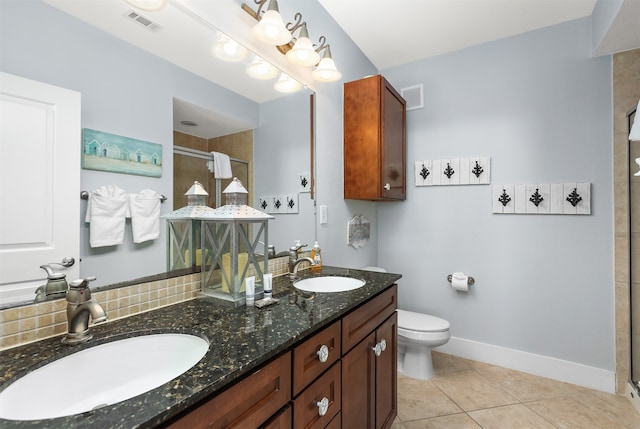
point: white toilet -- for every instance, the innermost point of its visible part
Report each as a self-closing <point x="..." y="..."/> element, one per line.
<point x="417" y="334"/>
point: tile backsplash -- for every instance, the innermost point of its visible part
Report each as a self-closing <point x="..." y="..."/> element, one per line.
<point x="28" y="323"/>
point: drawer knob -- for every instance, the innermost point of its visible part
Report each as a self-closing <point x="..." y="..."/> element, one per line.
<point x="323" y="353"/>
<point x="380" y="347"/>
<point x="387" y="186"/>
<point x="323" y="406"/>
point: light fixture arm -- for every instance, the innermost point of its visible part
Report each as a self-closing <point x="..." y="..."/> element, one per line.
<point x="293" y="26"/>
<point x="323" y="44"/>
<point x="255" y="14"/>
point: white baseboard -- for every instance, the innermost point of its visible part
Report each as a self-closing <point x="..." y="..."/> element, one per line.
<point x="544" y="366"/>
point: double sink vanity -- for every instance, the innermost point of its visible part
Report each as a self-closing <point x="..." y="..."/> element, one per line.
<point x="319" y="358"/>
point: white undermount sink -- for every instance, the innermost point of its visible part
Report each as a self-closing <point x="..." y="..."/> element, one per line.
<point x="101" y="375"/>
<point x="328" y="284"/>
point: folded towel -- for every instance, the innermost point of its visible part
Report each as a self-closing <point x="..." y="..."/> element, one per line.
<point x="145" y="215"/>
<point x="107" y="208"/>
<point x="221" y="166"/>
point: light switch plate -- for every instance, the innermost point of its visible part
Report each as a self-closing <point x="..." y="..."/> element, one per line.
<point x="323" y="215"/>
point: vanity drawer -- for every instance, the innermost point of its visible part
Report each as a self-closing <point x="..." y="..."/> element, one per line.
<point x="248" y="403"/>
<point x="307" y="363"/>
<point x="306" y="411"/>
<point x="366" y="318"/>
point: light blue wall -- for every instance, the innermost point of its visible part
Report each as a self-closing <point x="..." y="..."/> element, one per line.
<point x="541" y="108"/>
<point x="125" y="91"/>
<point x="329" y="141"/>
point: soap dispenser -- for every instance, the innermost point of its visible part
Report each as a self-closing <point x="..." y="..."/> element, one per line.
<point x="316" y="255"/>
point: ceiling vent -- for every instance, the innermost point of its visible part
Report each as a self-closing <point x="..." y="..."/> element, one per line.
<point x="143" y="21"/>
<point x="413" y="96"/>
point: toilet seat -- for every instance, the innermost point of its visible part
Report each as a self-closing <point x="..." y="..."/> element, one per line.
<point x="418" y="322"/>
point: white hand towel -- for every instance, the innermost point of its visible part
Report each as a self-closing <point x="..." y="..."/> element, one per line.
<point x="221" y="165"/>
<point x="145" y="215"/>
<point x="107" y="209"/>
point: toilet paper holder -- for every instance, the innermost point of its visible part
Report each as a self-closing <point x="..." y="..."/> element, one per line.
<point x="470" y="280"/>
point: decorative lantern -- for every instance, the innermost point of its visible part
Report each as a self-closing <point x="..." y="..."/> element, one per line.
<point x="184" y="230"/>
<point x="231" y="235"/>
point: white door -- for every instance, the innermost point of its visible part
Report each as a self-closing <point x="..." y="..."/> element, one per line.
<point x="40" y="142"/>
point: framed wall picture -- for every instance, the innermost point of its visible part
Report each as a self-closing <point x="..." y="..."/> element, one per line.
<point x="117" y="154"/>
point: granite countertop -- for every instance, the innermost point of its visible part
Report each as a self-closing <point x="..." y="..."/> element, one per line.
<point x="240" y="340"/>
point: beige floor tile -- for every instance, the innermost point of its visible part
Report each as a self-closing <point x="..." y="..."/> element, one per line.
<point x="471" y="391"/>
<point x="616" y="408"/>
<point x="398" y="425"/>
<point x="453" y="421"/>
<point x="568" y="413"/>
<point x="444" y="363"/>
<point x="419" y="399"/>
<point x="510" y="417"/>
<point x="525" y="387"/>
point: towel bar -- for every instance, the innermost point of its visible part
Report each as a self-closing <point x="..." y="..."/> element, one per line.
<point x="84" y="195"/>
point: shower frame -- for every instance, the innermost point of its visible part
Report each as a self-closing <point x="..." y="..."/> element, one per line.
<point x="634" y="314"/>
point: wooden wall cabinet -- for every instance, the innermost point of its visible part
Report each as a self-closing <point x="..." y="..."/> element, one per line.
<point x="374" y="141"/>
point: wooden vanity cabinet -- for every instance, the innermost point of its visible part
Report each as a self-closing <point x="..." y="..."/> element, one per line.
<point x="374" y="141"/>
<point x="370" y="396"/>
<point x="248" y="403"/>
<point x="360" y="387"/>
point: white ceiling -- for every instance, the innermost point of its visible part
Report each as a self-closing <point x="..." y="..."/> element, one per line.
<point x="389" y="32"/>
<point x="394" y="32"/>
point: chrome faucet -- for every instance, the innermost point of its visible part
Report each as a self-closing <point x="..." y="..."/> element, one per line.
<point x="295" y="260"/>
<point x="79" y="308"/>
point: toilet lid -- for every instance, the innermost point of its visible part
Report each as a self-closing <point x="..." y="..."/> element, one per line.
<point x="421" y="322"/>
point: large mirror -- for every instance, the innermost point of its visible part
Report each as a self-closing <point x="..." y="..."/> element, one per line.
<point x="270" y="138"/>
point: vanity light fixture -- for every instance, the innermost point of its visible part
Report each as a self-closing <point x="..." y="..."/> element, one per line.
<point x="303" y="52"/>
<point x="148" y="5"/>
<point x="300" y="50"/>
<point x="270" y="27"/>
<point x="228" y="49"/>
<point x="261" y="69"/>
<point x="326" y="70"/>
<point x="287" y="84"/>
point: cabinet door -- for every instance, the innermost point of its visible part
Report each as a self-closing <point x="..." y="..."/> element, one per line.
<point x="282" y="420"/>
<point x="393" y="154"/>
<point x="359" y="381"/>
<point x="387" y="374"/>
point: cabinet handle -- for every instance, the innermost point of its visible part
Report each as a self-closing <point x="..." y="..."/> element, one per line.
<point x="377" y="349"/>
<point x="387" y="186"/>
<point x="380" y="347"/>
<point x="323" y="406"/>
<point x="323" y="353"/>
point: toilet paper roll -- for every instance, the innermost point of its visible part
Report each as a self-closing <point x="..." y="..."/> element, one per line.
<point x="460" y="282"/>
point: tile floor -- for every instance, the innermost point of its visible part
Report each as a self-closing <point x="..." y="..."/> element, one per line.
<point x="465" y="394"/>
